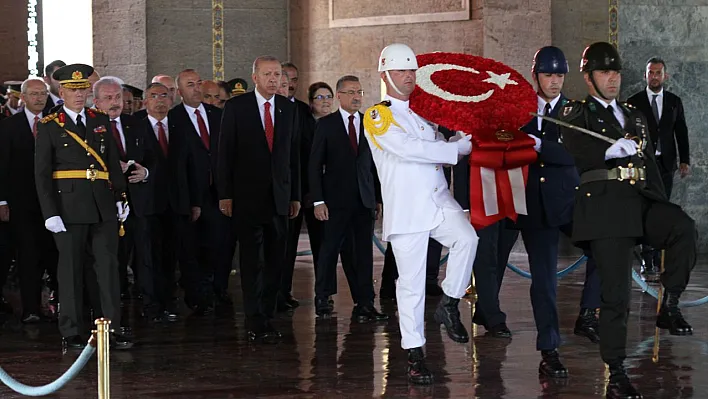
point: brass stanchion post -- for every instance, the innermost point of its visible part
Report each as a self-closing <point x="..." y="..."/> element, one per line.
<point x="659" y="301"/>
<point x="103" y="332"/>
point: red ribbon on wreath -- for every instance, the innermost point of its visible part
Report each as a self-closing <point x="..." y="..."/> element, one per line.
<point x="490" y="101"/>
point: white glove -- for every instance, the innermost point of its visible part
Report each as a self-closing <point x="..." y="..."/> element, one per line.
<point x="464" y="145"/>
<point x="123" y="211"/>
<point x="458" y="135"/>
<point x="622" y="148"/>
<point x="54" y="224"/>
<point x="536" y="146"/>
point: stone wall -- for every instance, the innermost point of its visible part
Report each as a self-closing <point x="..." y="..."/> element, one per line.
<point x="677" y="32"/>
<point x="13" y="33"/>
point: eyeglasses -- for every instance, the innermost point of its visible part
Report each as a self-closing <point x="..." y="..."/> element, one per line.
<point x="352" y="92"/>
<point x="322" y="97"/>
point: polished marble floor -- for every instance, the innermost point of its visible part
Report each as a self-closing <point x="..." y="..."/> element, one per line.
<point x="209" y="357"/>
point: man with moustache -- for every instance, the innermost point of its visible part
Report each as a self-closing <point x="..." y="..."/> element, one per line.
<point x="53" y="100"/>
<point x="259" y="187"/>
<point x="346" y="196"/>
<point x="174" y="203"/>
<point x="200" y="124"/>
<point x="668" y="132"/>
<point x="621" y="202"/>
<point x="409" y="158"/>
<point x="136" y="161"/>
<point x="19" y="204"/>
<point x="81" y="191"/>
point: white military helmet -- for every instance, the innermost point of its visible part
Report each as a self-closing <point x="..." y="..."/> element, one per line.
<point x="397" y="56"/>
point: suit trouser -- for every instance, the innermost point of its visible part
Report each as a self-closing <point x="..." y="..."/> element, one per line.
<point x="456" y="233"/>
<point x="164" y="231"/>
<point x="667" y="227"/>
<point x="7" y="253"/>
<point x="495" y="244"/>
<point x="224" y="265"/>
<point x="135" y="245"/>
<point x="357" y="223"/>
<point x="36" y="252"/>
<point x="260" y="280"/>
<point x="102" y="239"/>
<point x="389" y="274"/>
<point x="314" y="231"/>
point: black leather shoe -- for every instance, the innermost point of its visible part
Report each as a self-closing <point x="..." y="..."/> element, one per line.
<point x="282" y="305"/>
<point x="270" y="335"/>
<point x="292" y="301"/>
<point x="374" y="314"/>
<point x="670" y="317"/>
<point x="360" y="315"/>
<point x="73" y="342"/>
<point x="587" y="325"/>
<point x="619" y="386"/>
<point x="448" y="315"/>
<point x="330" y="302"/>
<point x="417" y="373"/>
<point x="323" y="308"/>
<point x="498" y="331"/>
<point x="120" y="342"/>
<point x="433" y="289"/>
<point x="551" y="365"/>
<point x="31" y="318"/>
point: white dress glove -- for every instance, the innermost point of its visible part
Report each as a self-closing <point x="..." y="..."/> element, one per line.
<point x="123" y="211"/>
<point x="622" y="148"/>
<point x="464" y="145"/>
<point x="536" y="146"/>
<point x="54" y="224"/>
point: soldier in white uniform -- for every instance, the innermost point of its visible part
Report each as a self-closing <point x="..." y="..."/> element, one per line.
<point x="409" y="156"/>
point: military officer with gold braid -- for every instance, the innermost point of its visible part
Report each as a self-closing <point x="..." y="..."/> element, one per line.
<point x="418" y="205"/>
<point x="81" y="191"/>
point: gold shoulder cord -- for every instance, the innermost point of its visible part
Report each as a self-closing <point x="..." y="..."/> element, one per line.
<point x="377" y="120"/>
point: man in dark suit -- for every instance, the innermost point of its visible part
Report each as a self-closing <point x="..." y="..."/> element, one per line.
<point x="667" y="130"/>
<point x="19" y="204"/>
<point x="53" y="98"/>
<point x="136" y="160"/>
<point x="621" y="201"/>
<point x="200" y="125"/>
<point x="174" y="204"/>
<point x="259" y="186"/>
<point x="346" y="195"/>
<point x="85" y="192"/>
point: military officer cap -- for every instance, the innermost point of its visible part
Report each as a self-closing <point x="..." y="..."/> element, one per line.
<point x="549" y="59"/>
<point x="134" y="91"/>
<point x="600" y="56"/>
<point x="238" y="86"/>
<point x="74" y="76"/>
<point x="13" y="87"/>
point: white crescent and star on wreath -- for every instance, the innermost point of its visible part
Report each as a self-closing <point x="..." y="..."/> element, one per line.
<point x="424" y="80"/>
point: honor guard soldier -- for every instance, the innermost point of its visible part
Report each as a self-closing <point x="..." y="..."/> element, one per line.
<point x="620" y="203"/>
<point x="409" y="158"/>
<point x="80" y="186"/>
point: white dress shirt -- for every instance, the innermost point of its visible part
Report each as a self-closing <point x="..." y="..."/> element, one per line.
<point x="357" y="122"/>
<point x="542" y="108"/>
<point x="30" y="117"/>
<point x="193" y="117"/>
<point x="119" y="126"/>
<point x="73" y="115"/>
<point x="155" y="129"/>
<point x="615" y="108"/>
<point x="261" y="107"/>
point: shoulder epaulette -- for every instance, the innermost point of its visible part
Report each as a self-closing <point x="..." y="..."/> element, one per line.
<point x="377" y="121"/>
<point x="94" y="109"/>
<point x="48" y="118"/>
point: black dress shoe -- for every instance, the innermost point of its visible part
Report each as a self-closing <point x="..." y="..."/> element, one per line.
<point x="433" y="289"/>
<point x="587" y="325"/>
<point x="670" y="317"/>
<point x="292" y="301"/>
<point x="360" y="315"/>
<point x="498" y="331"/>
<point x="619" y="386"/>
<point x="417" y="372"/>
<point x="374" y="314"/>
<point x="448" y="315"/>
<point x="323" y="308"/>
<point x="551" y="365"/>
<point x="282" y="305"/>
<point x="120" y="342"/>
<point x="73" y="342"/>
<point x="31" y="318"/>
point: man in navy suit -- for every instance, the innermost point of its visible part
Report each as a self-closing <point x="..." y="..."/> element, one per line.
<point x="550" y="194"/>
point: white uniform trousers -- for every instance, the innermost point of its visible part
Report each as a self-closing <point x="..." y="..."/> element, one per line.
<point x="456" y="233"/>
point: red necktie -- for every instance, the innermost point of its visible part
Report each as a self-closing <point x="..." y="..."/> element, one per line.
<point x="352" y="135"/>
<point x="34" y="126"/>
<point x="202" y="128"/>
<point x="116" y="136"/>
<point x="268" y="126"/>
<point x="162" y="138"/>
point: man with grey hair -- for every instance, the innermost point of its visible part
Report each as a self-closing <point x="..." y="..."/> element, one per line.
<point x="19" y="203"/>
<point x="169" y="82"/>
<point x="136" y="160"/>
<point x="258" y="152"/>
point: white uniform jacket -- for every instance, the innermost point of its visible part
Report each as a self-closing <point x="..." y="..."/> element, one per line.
<point x="409" y="158"/>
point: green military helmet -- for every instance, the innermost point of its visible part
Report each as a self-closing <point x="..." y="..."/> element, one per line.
<point x="600" y="56"/>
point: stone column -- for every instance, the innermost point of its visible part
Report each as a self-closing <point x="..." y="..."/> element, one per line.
<point x="13" y="31"/>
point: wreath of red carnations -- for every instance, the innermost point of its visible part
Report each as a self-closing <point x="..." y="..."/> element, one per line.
<point x="474" y="94"/>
